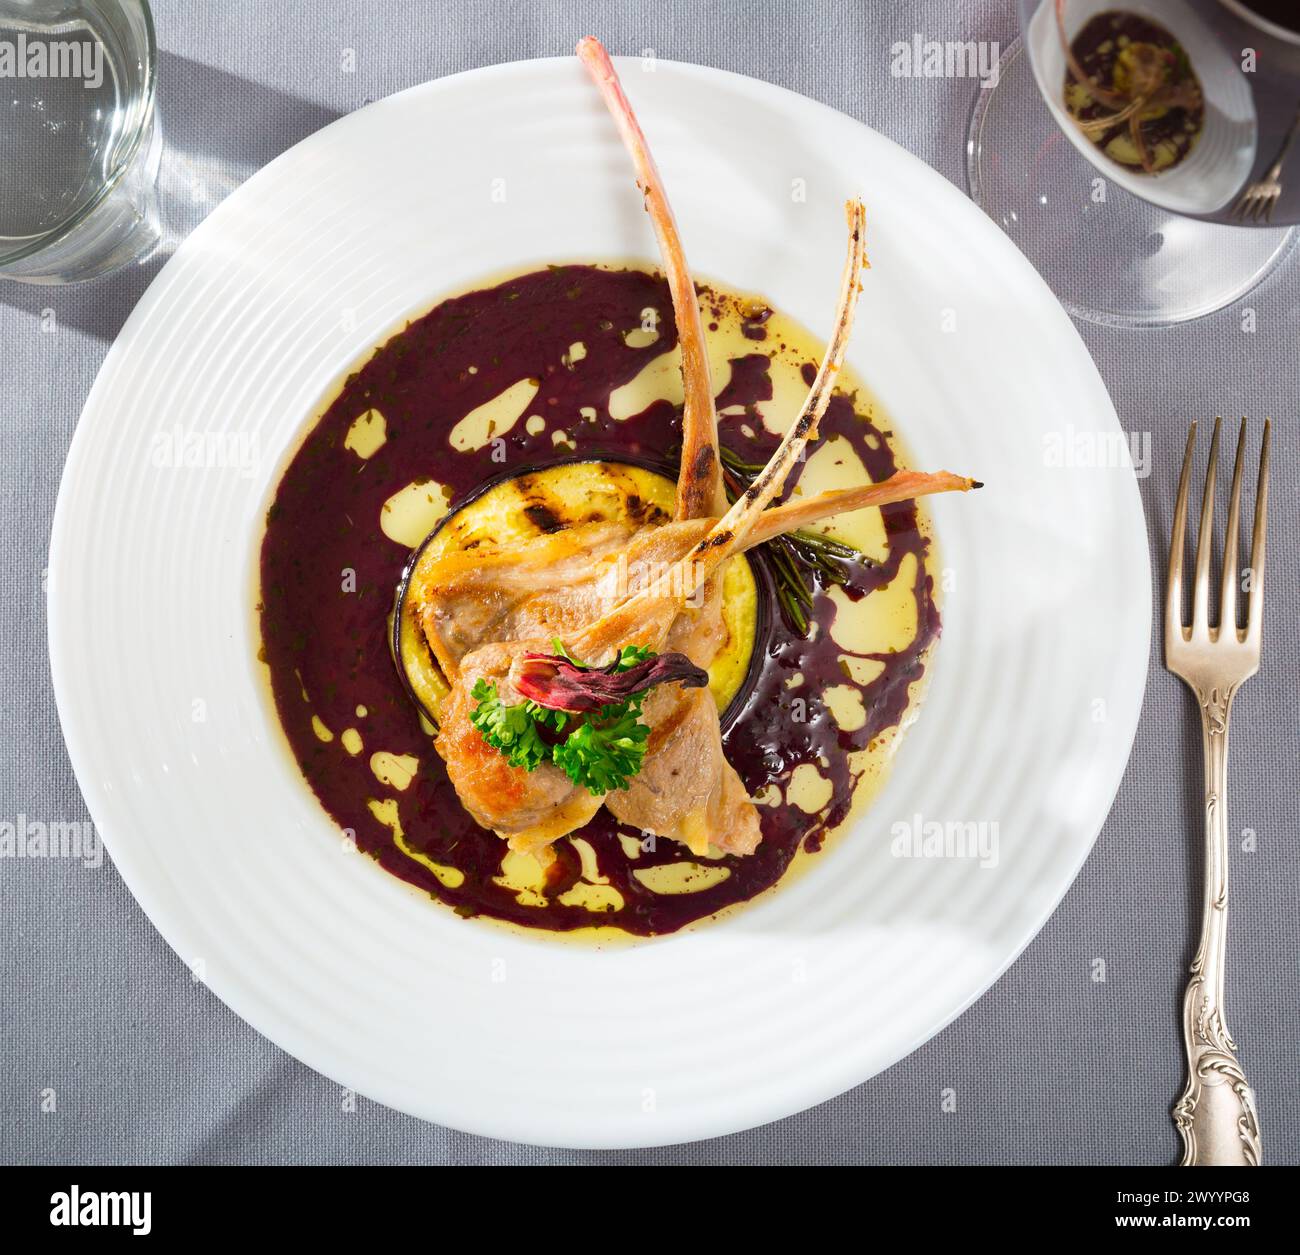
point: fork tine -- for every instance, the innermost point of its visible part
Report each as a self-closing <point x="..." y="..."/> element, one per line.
<point x="1205" y="542"/>
<point x="1255" y="606"/>
<point x="1228" y="593"/>
<point x="1177" y="543"/>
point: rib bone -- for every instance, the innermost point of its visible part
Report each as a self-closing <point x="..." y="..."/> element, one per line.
<point x="699" y="485"/>
<point x="555" y="583"/>
<point x="645" y="617"/>
<point x="901" y="486"/>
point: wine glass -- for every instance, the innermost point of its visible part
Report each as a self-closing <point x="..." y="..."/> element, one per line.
<point x="1119" y="142"/>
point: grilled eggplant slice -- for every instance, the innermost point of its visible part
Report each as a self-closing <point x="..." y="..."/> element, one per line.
<point x="541" y="503"/>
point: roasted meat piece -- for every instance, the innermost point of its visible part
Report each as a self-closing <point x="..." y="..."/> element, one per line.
<point x="601" y="588"/>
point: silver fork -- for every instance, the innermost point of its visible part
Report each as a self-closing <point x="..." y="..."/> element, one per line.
<point x="1259" y="198"/>
<point x="1216" y="1114"/>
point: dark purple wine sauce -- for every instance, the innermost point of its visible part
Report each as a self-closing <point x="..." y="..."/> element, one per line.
<point x="328" y="576"/>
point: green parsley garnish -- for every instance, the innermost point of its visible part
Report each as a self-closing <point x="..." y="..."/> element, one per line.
<point x="602" y="750"/>
<point x="514" y="729"/>
<point x="627" y="658"/>
<point x="604" y="755"/>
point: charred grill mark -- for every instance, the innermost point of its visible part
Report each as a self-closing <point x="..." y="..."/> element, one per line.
<point x="665" y="730"/>
<point x="704" y="461"/>
<point x="543" y="517"/>
<point x="712" y="542"/>
<point x="637" y="508"/>
<point x="649" y="513"/>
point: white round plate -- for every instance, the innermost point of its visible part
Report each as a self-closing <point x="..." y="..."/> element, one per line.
<point x="814" y="987"/>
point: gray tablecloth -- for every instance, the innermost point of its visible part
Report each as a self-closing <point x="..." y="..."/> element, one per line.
<point x="102" y="1022"/>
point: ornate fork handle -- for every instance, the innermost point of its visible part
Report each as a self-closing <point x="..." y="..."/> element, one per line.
<point x="1216" y="1114"/>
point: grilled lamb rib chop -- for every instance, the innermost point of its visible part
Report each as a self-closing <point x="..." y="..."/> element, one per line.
<point x="686" y="793"/>
<point x="556" y="584"/>
<point x="483" y="612"/>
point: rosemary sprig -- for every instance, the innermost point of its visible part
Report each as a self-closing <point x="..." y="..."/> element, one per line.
<point x="798" y="559"/>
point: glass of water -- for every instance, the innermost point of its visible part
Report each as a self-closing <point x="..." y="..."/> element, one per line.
<point x="79" y="144"/>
